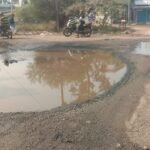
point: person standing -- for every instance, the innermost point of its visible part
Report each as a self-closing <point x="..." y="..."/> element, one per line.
<point x="12" y="23"/>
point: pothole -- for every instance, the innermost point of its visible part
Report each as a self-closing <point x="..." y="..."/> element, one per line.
<point x="38" y="81"/>
<point x="143" y="48"/>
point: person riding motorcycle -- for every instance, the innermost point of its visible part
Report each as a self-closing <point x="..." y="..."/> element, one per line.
<point x="5" y="26"/>
<point x="85" y="20"/>
<point x="91" y="16"/>
<point x="80" y="26"/>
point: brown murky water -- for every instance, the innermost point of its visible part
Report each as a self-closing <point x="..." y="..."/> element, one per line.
<point x="36" y="81"/>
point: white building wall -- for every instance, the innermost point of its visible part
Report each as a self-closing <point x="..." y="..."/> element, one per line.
<point x="18" y="3"/>
<point x="142" y="2"/>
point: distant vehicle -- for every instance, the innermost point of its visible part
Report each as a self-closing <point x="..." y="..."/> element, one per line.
<point x="72" y="28"/>
<point x="5" y="28"/>
<point x="6" y="32"/>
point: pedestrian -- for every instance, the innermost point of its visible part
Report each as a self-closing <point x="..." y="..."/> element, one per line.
<point x="12" y="22"/>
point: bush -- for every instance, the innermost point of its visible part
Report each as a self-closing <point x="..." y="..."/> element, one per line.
<point x="106" y="29"/>
<point x="34" y="27"/>
<point x="26" y="14"/>
<point x="31" y="14"/>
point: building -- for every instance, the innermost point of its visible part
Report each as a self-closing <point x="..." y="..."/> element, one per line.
<point x="19" y="3"/>
<point x="140" y="11"/>
<point x="7" y="5"/>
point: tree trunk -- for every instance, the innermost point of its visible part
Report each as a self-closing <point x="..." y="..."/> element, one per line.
<point x="57" y="15"/>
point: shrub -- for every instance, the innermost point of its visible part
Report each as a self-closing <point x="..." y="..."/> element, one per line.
<point x="26" y="14"/>
<point x="106" y="29"/>
<point x="35" y="27"/>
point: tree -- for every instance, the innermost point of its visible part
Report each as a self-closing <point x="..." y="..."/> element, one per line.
<point x="114" y="9"/>
<point x="84" y="74"/>
<point x="58" y="10"/>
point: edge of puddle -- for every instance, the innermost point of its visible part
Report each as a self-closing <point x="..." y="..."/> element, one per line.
<point x="101" y="97"/>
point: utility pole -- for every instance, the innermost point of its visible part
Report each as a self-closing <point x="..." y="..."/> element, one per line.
<point x="57" y="15"/>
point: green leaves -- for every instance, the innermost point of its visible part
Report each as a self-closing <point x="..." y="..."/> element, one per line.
<point x="45" y="10"/>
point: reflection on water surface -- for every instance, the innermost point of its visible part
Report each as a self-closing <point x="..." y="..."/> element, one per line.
<point x="143" y="48"/>
<point x="35" y="81"/>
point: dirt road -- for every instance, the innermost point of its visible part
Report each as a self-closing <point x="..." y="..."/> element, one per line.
<point x="106" y="124"/>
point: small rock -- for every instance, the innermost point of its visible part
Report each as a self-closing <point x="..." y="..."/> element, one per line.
<point x="42" y="34"/>
<point x="88" y="122"/>
<point x="28" y="148"/>
<point x="127" y="32"/>
<point x="57" y="136"/>
<point x="118" y="145"/>
<point x="50" y="33"/>
<point x="30" y="33"/>
<point x="146" y="148"/>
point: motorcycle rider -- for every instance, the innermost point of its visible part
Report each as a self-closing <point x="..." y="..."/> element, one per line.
<point x="81" y="24"/>
<point x="87" y="19"/>
<point x="91" y="16"/>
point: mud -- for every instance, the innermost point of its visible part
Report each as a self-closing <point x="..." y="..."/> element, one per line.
<point x="101" y="124"/>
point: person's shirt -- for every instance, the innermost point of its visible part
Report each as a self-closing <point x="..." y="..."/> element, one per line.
<point x="82" y="20"/>
<point x="91" y="17"/>
<point x="86" y="20"/>
<point x="11" y="20"/>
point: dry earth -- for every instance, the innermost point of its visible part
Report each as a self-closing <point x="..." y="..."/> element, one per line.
<point x="119" y="121"/>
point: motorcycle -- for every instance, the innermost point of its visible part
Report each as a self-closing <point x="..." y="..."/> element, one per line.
<point x="6" y="32"/>
<point x="72" y="27"/>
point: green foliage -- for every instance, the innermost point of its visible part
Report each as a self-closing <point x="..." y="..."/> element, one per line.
<point x="26" y="14"/>
<point x="74" y="9"/>
<point x="114" y="9"/>
<point x="106" y="29"/>
<point x="39" y="11"/>
<point x="34" y="27"/>
<point x="45" y="10"/>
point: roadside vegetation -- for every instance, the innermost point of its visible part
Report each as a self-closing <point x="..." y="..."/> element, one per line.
<point x="50" y="15"/>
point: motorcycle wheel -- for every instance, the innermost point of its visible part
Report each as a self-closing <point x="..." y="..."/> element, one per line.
<point x="88" y="34"/>
<point x="10" y="35"/>
<point x="67" y="32"/>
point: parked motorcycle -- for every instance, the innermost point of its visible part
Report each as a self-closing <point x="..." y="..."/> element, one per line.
<point x="6" y="32"/>
<point x="5" y="27"/>
<point x="71" y="28"/>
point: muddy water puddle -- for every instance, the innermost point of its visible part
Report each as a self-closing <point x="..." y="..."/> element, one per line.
<point x="37" y="81"/>
<point x="143" y="48"/>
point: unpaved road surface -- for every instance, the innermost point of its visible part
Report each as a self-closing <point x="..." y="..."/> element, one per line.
<point x="110" y="123"/>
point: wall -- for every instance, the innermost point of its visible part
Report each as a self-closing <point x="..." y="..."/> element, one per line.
<point x="142" y="2"/>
